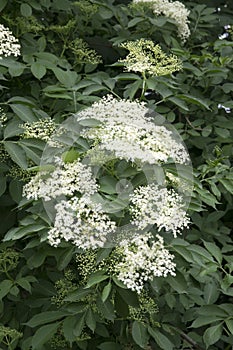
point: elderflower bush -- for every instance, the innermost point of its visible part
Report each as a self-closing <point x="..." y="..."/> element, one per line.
<point x="92" y="216"/>
<point x="58" y="295"/>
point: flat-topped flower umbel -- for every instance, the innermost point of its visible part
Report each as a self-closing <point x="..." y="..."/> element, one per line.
<point x="175" y="10"/>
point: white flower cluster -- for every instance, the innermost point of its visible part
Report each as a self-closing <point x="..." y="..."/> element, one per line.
<point x="66" y="179"/>
<point x="3" y="117"/>
<point x="175" y="10"/>
<point x="152" y="205"/>
<point x="78" y="219"/>
<point x="41" y="129"/>
<point x="143" y="259"/>
<point x="81" y="222"/>
<point x="129" y="133"/>
<point x="9" y="45"/>
<point x="146" y="57"/>
<point x="183" y="185"/>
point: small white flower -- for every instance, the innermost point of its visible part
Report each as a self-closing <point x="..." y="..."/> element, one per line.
<point x="226" y="109"/>
<point x="223" y="36"/>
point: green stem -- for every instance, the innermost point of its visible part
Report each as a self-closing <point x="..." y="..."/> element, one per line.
<point x="143" y="86"/>
<point x="75" y="101"/>
<point x="114" y="93"/>
<point x="9" y="276"/>
<point x="8" y="343"/>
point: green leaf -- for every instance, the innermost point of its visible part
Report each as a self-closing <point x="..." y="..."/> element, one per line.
<point x="2" y="185"/>
<point x="46" y="317"/>
<point x="13" y="129"/>
<point x="102" y="330"/>
<point x="75" y="309"/>
<point x="206" y="131"/>
<point x="224" y="133"/>
<point x="38" y="70"/>
<point x="212" y="335"/>
<point x="43" y="334"/>
<point x="77" y="330"/>
<point x="37" y="144"/>
<point x="178" y="283"/>
<point x="14" y="291"/>
<point x="22" y="100"/>
<point x="127" y="76"/>
<point x="37" y="259"/>
<point x="91" y="122"/>
<point x="110" y="83"/>
<point x="25" y="10"/>
<point x="131" y="89"/>
<point x="194" y="100"/>
<point x="135" y="21"/>
<point x="16" y="153"/>
<point x="119" y="283"/>
<point x="228" y="87"/>
<point x="77" y="294"/>
<point x="215" y="310"/>
<point x="140" y="334"/>
<point x="31" y="154"/>
<point x="23" y="282"/>
<point x="162" y="341"/>
<point x="17" y="232"/>
<point x="108" y="184"/>
<point x="90" y="320"/>
<point x="211" y="293"/>
<point x="214" y="250"/>
<point x="3" y="3"/>
<point x="70" y="156"/>
<point x="200" y="251"/>
<point x="129" y="297"/>
<point x="106" y="291"/>
<point x="228" y="184"/>
<point x="121" y="306"/>
<point x="93" y="88"/>
<point x="105" y="13"/>
<point x="109" y="346"/>
<point x="65" y="258"/>
<point x="179" y="102"/>
<point x="59" y="95"/>
<point x="68" y="326"/>
<point x="5" y="287"/>
<point x="66" y="78"/>
<point x="204" y="320"/>
<point x="106" y="309"/>
<point x="24" y="112"/>
<point x="229" y="324"/>
<point x="15" y="68"/>
<point x="93" y="280"/>
<point x="102" y="254"/>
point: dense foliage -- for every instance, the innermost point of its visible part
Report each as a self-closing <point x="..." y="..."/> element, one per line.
<point x="72" y="54"/>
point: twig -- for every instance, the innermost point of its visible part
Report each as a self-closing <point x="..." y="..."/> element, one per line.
<point x="188" y="339"/>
